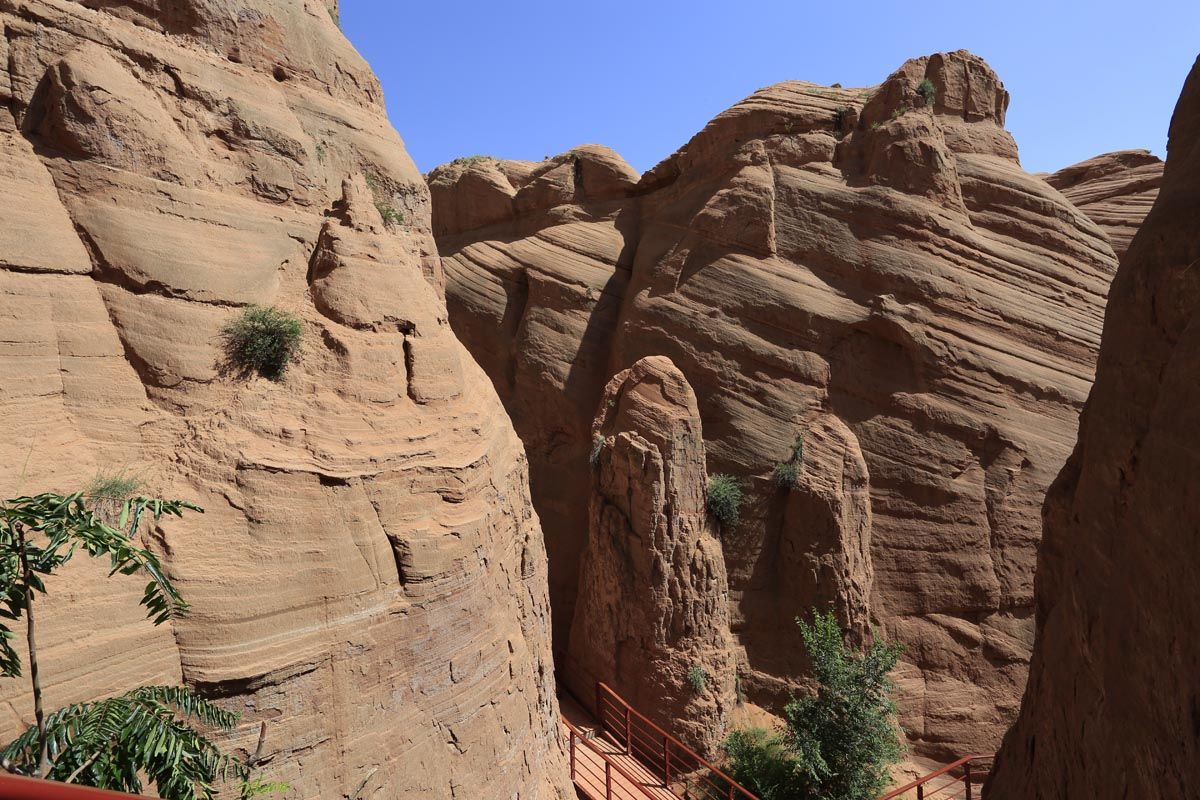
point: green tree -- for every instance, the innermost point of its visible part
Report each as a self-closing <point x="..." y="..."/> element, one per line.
<point x="111" y="743"/>
<point x="838" y="743"/>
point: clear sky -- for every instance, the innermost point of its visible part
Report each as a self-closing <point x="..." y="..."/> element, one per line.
<point x="531" y="78"/>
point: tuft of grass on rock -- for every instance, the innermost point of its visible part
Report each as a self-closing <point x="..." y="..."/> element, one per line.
<point x="107" y="492"/>
<point x="724" y="499"/>
<point x="390" y="215"/>
<point x="697" y="678"/>
<point x="787" y="472"/>
<point x="262" y="340"/>
<point x="597" y="447"/>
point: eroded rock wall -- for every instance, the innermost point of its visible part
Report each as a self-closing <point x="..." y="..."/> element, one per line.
<point x="369" y="578"/>
<point x="860" y="263"/>
<point x="1116" y="190"/>
<point x="652" y="616"/>
<point x="1111" y="710"/>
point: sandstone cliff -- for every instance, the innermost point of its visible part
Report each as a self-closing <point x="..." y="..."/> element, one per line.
<point x="652" y="618"/>
<point x="868" y="270"/>
<point x="1111" y="710"/>
<point x="1115" y="190"/>
<point x="369" y="577"/>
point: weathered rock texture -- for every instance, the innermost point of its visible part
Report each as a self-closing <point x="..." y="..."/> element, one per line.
<point x="1111" y="710"/>
<point x="369" y="578"/>
<point x="653" y="604"/>
<point x="855" y="266"/>
<point x="1116" y="190"/>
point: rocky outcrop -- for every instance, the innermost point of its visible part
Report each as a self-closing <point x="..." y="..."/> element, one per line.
<point x="869" y="269"/>
<point x="1111" y="709"/>
<point x="652" y="616"/>
<point x="536" y="301"/>
<point x="1115" y="190"/>
<point x="369" y="578"/>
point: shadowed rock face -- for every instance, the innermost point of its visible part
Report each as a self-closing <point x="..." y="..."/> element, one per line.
<point x="653" y="602"/>
<point x="369" y="578"/>
<point x="1111" y="710"/>
<point x="859" y="268"/>
<point x="1115" y="190"/>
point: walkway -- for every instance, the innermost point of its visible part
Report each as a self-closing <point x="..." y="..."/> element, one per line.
<point x="629" y="779"/>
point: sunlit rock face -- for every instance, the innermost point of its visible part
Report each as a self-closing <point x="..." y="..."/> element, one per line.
<point x="868" y="271"/>
<point x="1116" y="190"/>
<point x="369" y="577"/>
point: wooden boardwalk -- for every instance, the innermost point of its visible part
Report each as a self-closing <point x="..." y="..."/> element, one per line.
<point x="630" y="780"/>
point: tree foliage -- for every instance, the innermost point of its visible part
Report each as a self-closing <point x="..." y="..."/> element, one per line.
<point x="41" y="533"/>
<point x="838" y="743"/>
<point x="156" y="734"/>
<point x="149" y="732"/>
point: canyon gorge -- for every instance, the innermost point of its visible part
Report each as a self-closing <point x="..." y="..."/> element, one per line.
<point x="484" y="480"/>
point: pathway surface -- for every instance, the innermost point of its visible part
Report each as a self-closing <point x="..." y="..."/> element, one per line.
<point x="637" y="784"/>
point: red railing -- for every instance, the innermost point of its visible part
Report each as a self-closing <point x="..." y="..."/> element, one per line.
<point x="598" y="772"/>
<point x="670" y="760"/>
<point x="960" y="779"/>
<point x="15" y="787"/>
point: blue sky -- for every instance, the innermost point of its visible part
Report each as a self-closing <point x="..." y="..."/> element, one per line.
<point x="530" y="78"/>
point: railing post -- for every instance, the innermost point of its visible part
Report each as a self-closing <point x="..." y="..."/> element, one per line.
<point x="627" y="737"/>
<point x="666" y="762"/>
<point x="967" y="778"/>
<point x="572" y="755"/>
<point x="731" y="791"/>
<point x="607" y="780"/>
<point x="920" y="791"/>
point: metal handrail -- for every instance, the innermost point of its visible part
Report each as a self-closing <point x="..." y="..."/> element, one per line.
<point x="920" y="783"/>
<point x="17" y="787"/>
<point x="609" y="764"/>
<point x="604" y="692"/>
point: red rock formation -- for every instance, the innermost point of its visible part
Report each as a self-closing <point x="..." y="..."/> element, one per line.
<point x="653" y="604"/>
<point x="369" y="576"/>
<point x="1112" y="710"/>
<point x="1115" y="190"/>
<point x="855" y="262"/>
<point x="537" y="298"/>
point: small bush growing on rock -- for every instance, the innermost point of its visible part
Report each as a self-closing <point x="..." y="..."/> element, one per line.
<point x="263" y="340"/>
<point x="697" y="678"/>
<point x="724" y="499"/>
<point x="899" y="112"/>
<point x="837" y="743"/>
<point x="473" y="159"/>
<point x="927" y="91"/>
<point x="787" y="472"/>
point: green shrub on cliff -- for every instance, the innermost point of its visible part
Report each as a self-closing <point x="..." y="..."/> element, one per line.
<point x="838" y="743"/>
<point x="927" y="91"/>
<point x="262" y="340"/>
<point x="724" y="499"/>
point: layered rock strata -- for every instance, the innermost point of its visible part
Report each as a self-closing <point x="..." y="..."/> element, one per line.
<point x="870" y="270"/>
<point x="369" y="577"/>
<point x="1115" y="190"/>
